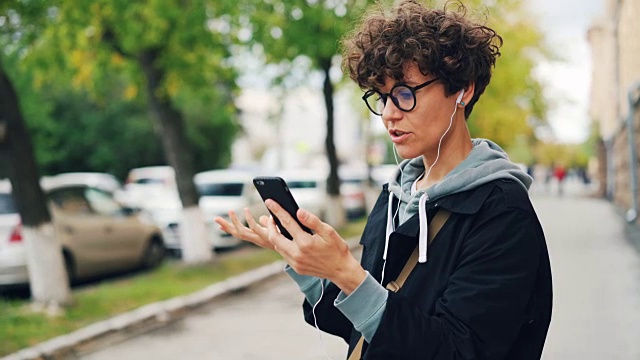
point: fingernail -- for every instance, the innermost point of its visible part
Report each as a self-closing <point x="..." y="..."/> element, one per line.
<point x="302" y="214"/>
<point x="268" y="202"/>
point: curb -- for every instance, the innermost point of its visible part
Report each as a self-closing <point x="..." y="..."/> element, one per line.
<point x="145" y="318"/>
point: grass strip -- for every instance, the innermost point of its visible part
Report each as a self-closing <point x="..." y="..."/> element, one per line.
<point x="21" y="327"/>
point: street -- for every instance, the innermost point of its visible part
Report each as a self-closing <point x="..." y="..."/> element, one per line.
<point x="596" y="302"/>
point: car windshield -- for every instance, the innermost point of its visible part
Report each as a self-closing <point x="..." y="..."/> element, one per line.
<point x="220" y="189"/>
<point x="302" y="184"/>
<point x="6" y="204"/>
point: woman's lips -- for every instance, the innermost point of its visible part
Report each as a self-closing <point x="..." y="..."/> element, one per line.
<point x="398" y="136"/>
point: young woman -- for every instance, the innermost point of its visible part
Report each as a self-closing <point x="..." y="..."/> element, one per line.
<point x="481" y="288"/>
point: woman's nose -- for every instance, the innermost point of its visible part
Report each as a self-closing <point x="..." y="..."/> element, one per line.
<point x="390" y="111"/>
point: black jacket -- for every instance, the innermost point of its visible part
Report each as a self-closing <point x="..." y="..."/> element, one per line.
<point x="484" y="293"/>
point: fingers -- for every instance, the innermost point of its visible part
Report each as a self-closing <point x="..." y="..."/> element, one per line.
<point x="224" y="225"/>
<point x="238" y="230"/>
<point x="280" y="243"/>
<point x="314" y="223"/>
<point x="287" y="221"/>
<point x="260" y="230"/>
<point x="235" y="221"/>
<point x="264" y="220"/>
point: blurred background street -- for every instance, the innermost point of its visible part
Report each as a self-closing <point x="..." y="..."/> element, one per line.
<point x="596" y="272"/>
<point x="126" y="128"/>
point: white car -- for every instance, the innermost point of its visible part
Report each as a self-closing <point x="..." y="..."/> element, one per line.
<point x="13" y="266"/>
<point x="224" y="190"/>
<point x="309" y="189"/>
<point x="353" y="183"/>
<point x="154" y="190"/>
<point x="381" y="174"/>
<point x="145" y="182"/>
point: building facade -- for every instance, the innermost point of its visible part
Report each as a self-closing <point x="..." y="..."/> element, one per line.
<point x="615" y="94"/>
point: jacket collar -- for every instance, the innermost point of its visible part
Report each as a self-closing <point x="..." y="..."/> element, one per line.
<point x="466" y="203"/>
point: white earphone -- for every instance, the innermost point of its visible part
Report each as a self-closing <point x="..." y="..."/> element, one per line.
<point x="459" y="99"/>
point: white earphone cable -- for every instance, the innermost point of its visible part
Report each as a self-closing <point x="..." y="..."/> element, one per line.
<point x="315" y="321"/>
<point x="455" y="109"/>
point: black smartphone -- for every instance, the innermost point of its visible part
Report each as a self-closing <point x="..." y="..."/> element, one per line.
<point x="276" y="189"/>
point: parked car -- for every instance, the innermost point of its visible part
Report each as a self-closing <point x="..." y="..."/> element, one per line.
<point x="98" y="235"/>
<point x="353" y="183"/>
<point x="224" y="190"/>
<point x="154" y="190"/>
<point x="145" y="182"/>
<point x="13" y="266"/>
<point x="381" y="174"/>
<point x="309" y="189"/>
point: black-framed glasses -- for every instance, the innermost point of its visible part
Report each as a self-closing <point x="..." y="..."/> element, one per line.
<point x="402" y="95"/>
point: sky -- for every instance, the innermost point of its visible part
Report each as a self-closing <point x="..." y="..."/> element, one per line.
<point x="565" y="24"/>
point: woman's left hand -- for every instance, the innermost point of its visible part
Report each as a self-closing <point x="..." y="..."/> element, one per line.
<point x="324" y="254"/>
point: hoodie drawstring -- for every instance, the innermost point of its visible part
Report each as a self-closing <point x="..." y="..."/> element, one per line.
<point x="389" y="225"/>
<point x="424" y="228"/>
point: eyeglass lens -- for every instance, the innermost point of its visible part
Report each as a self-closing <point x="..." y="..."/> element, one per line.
<point x="401" y="96"/>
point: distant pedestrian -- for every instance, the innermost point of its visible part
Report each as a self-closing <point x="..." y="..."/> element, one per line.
<point x="484" y="291"/>
<point x="559" y="173"/>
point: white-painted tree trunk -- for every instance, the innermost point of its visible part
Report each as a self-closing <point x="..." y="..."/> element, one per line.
<point x="47" y="274"/>
<point x="196" y="247"/>
<point x="335" y="215"/>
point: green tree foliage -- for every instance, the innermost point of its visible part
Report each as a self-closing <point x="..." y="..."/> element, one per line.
<point x="87" y="64"/>
<point x="513" y="103"/>
<point x="288" y="29"/>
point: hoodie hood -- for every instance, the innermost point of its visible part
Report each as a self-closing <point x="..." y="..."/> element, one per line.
<point x="485" y="163"/>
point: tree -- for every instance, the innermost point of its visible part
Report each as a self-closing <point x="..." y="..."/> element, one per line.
<point x="513" y="103"/>
<point x="171" y="50"/>
<point x="47" y="277"/>
<point x="292" y="28"/>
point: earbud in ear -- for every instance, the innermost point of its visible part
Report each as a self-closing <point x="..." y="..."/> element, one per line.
<point x="459" y="99"/>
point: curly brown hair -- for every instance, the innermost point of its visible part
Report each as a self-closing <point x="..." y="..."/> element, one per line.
<point x="441" y="42"/>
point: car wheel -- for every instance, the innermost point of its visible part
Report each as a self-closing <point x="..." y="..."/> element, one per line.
<point x="154" y="254"/>
<point x="69" y="267"/>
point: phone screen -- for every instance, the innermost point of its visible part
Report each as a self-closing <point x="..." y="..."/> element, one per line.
<point x="275" y="188"/>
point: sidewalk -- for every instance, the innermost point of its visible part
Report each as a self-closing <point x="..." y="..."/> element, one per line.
<point x="596" y="269"/>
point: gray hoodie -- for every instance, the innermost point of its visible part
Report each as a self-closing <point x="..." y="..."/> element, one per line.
<point x="486" y="162"/>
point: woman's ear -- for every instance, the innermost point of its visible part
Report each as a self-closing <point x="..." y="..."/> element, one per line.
<point x="466" y="95"/>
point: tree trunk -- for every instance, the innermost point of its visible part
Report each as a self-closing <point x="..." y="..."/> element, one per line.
<point x="335" y="211"/>
<point x="47" y="275"/>
<point x="170" y="127"/>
